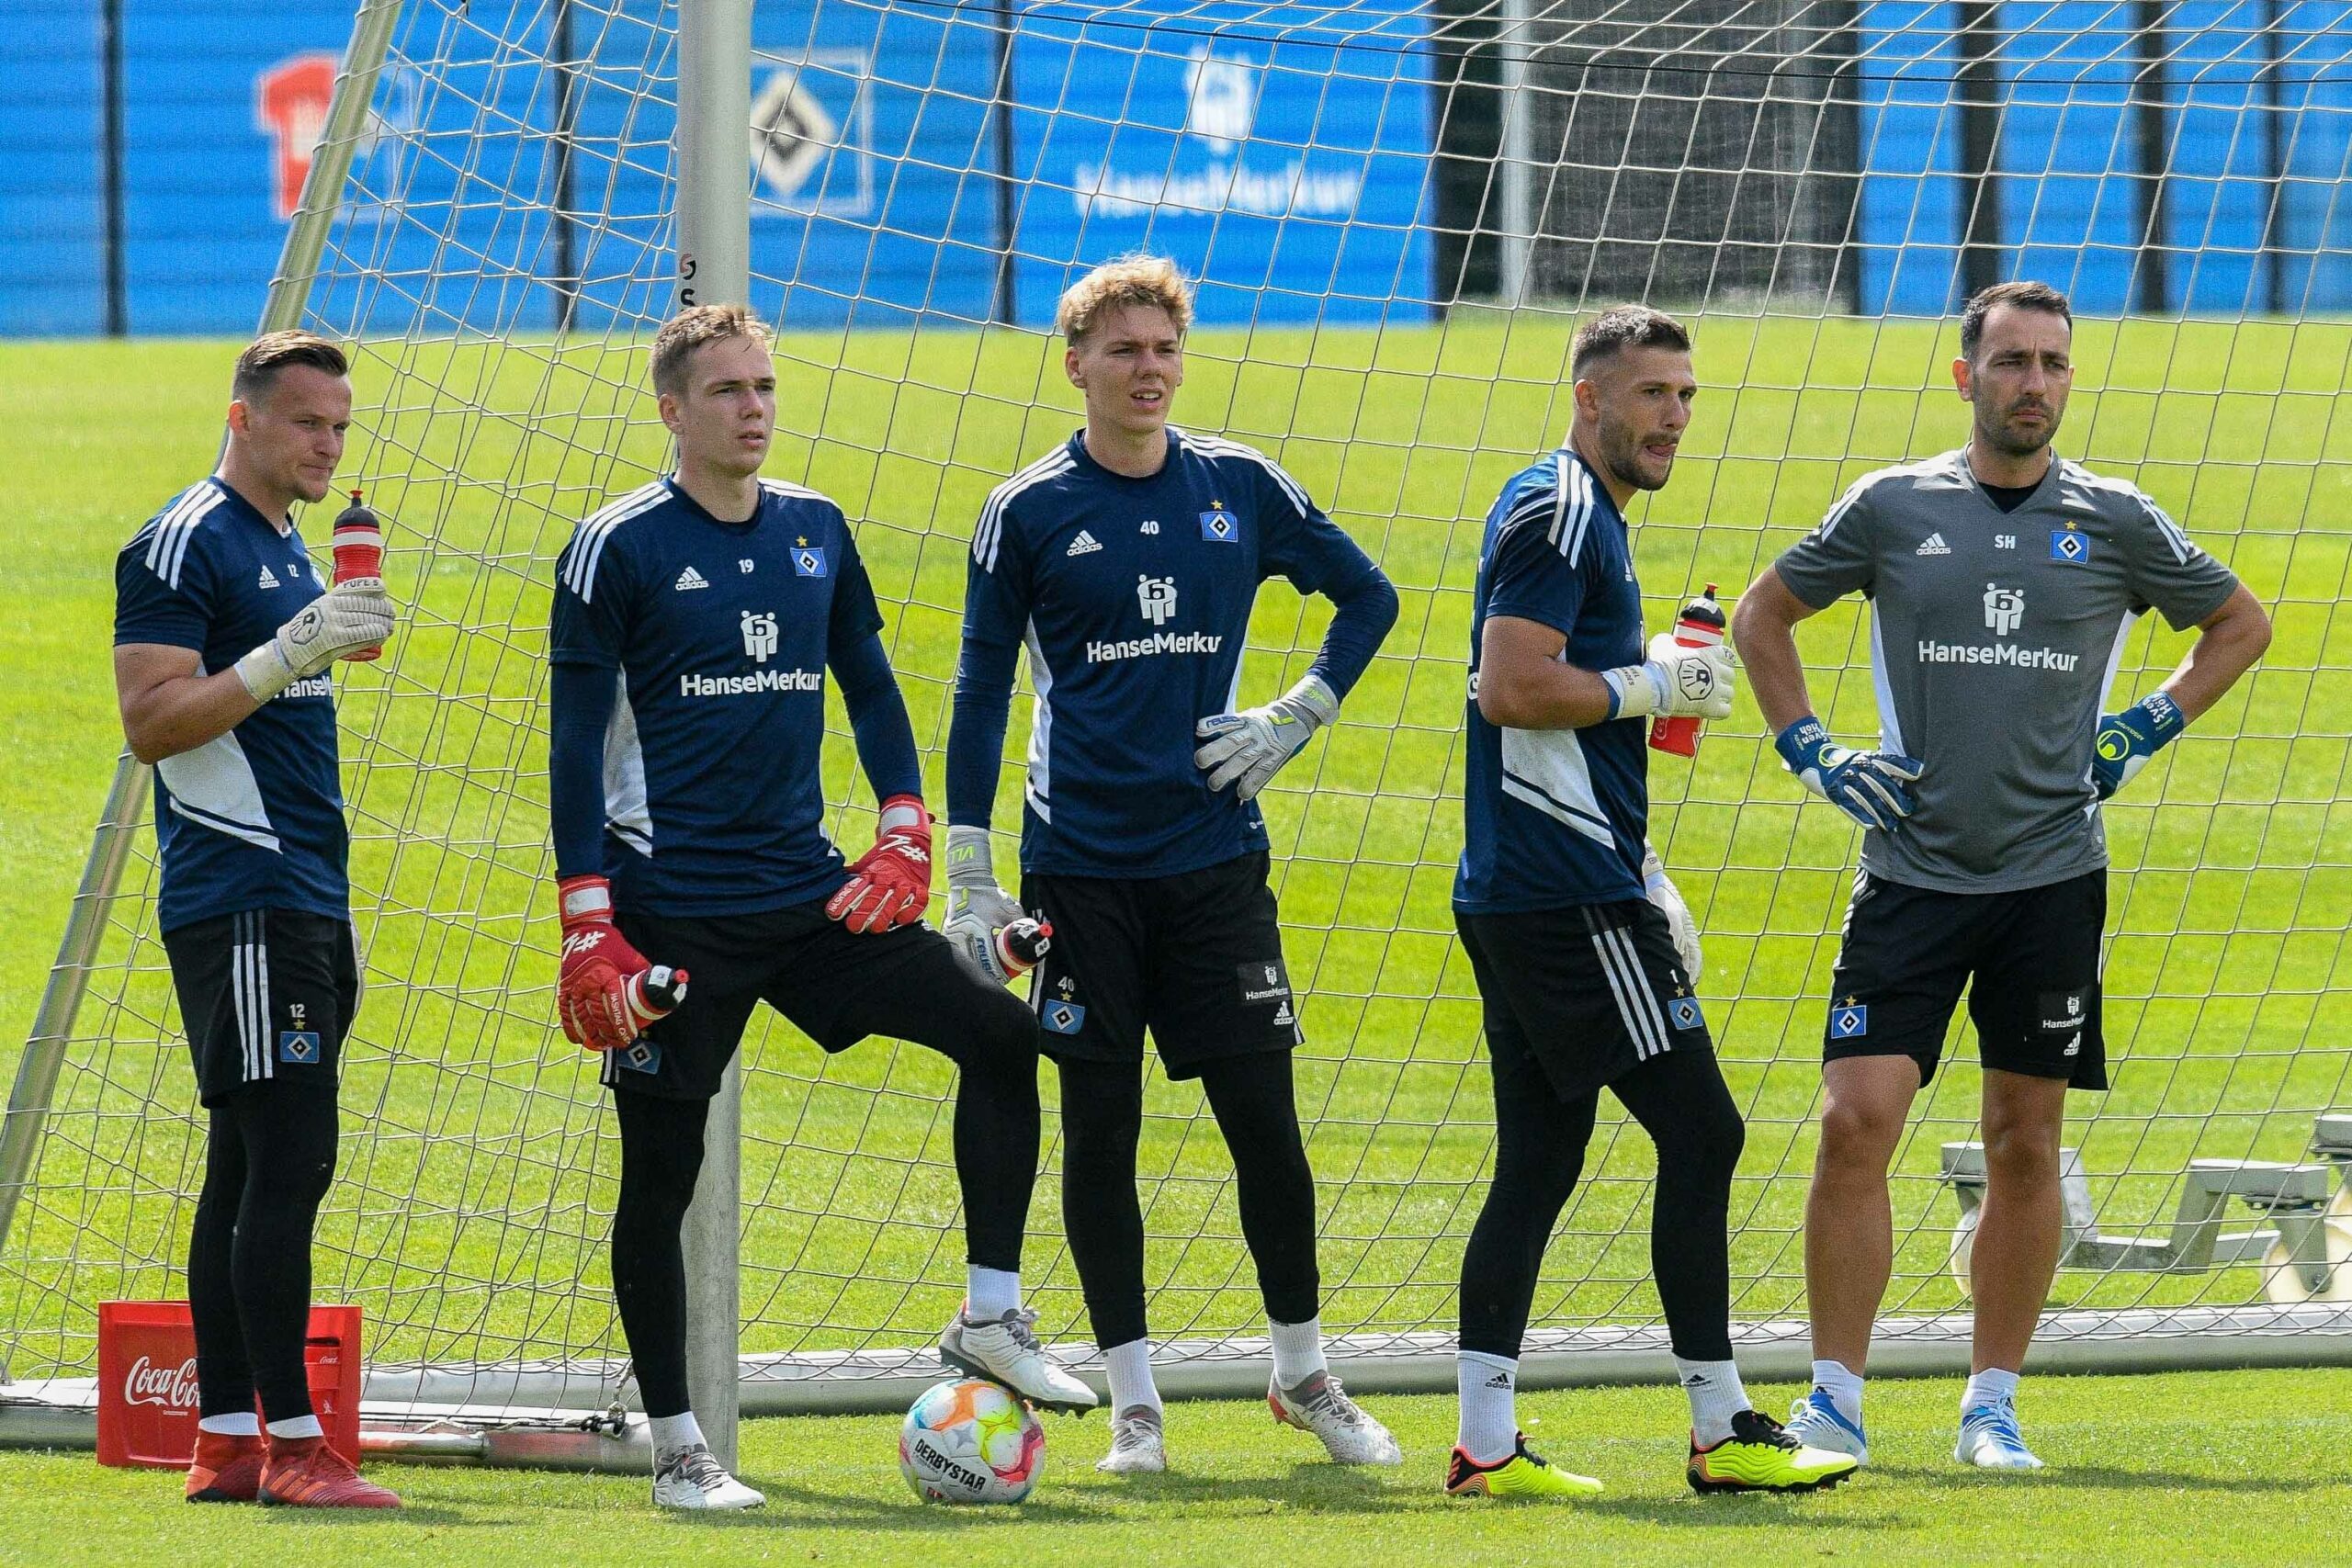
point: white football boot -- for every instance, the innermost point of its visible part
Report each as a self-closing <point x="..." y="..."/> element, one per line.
<point x="1138" y="1444"/>
<point x="1815" y="1421"/>
<point x="692" y="1479"/>
<point x="1990" y="1438"/>
<point x="1321" y="1406"/>
<point x="1005" y="1351"/>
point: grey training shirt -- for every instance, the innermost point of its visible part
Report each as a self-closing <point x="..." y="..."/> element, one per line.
<point x="1994" y="636"/>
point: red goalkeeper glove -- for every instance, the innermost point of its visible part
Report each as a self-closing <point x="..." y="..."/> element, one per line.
<point x="606" y="993"/>
<point x="891" y="884"/>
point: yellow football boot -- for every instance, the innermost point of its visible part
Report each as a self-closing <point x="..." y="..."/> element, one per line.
<point x="1525" y="1474"/>
<point x="1760" y="1456"/>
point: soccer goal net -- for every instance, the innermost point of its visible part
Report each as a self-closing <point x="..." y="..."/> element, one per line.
<point x="1399" y="212"/>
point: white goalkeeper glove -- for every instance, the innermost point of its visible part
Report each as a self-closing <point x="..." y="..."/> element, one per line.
<point x="1677" y="682"/>
<point x="978" y="911"/>
<point x="1660" y="891"/>
<point x="1247" y="748"/>
<point x="347" y="618"/>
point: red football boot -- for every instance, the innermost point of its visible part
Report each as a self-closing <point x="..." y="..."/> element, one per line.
<point x="226" y="1469"/>
<point x="306" y="1472"/>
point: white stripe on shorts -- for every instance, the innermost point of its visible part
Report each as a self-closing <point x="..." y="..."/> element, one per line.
<point x="1630" y="989"/>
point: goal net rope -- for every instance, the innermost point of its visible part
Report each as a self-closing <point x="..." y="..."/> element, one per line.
<point x="1398" y="215"/>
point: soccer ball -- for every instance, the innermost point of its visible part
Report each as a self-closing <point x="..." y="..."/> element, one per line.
<point x="970" y="1442"/>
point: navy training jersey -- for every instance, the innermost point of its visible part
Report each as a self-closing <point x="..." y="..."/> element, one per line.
<point x="1556" y="818"/>
<point x="719" y="634"/>
<point x="1132" y="597"/>
<point x="251" y="819"/>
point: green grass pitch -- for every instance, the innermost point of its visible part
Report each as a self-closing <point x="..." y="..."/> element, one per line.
<point x="2208" y="1468"/>
<point x="469" y="1224"/>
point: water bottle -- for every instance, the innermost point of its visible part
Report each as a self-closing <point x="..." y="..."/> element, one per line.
<point x="358" y="552"/>
<point x="1701" y="625"/>
<point x="1020" y="945"/>
<point x="657" y="992"/>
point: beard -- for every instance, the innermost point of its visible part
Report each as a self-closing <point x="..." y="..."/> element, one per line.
<point x="1621" y="454"/>
<point x="2010" y="440"/>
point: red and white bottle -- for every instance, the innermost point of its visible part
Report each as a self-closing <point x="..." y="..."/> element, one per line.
<point x="358" y="552"/>
<point x="1701" y="625"/>
<point x="1021" y="946"/>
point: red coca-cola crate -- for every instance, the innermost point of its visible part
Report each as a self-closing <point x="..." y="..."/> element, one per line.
<point x="147" y="1404"/>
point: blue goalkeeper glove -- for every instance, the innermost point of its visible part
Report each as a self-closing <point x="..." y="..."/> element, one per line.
<point x="2127" y="740"/>
<point x="1872" y="787"/>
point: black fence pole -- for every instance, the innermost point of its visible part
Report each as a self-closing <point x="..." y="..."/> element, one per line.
<point x="1469" y="144"/>
<point x="566" y="129"/>
<point x="2151" y="273"/>
<point x="117" y="303"/>
<point x="1980" y="139"/>
<point x="1005" y="306"/>
<point x="1844" y="111"/>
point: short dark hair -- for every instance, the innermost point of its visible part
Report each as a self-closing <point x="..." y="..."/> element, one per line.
<point x="269" y="356"/>
<point x="676" y="344"/>
<point x="2023" y="294"/>
<point x="1622" y="327"/>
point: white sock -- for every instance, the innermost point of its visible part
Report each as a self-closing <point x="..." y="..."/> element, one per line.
<point x="236" y="1424"/>
<point x="1129" y="1366"/>
<point x="1990" y="1387"/>
<point x="1298" y="1350"/>
<point x="300" y="1426"/>
<point x="989" y="1293"/>
<point x="1489" y="1389"/>
<point x="1716" y="1396"/>
<point x="1844" y="1387"/>
<point x="679" y="1431"/>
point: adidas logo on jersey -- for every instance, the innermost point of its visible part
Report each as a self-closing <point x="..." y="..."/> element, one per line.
<point x="1934" y="546"/>
<point x="1084" y="544"/>
<point x="267" y="579"/>
<point x="687" y="579"/>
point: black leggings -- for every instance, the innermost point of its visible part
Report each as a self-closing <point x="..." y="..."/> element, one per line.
<point x="269" y="1160"/>
<point x="1681" y="1100"/>
<point x="1103" y="1117"/>
<point x="996" y="1167"/>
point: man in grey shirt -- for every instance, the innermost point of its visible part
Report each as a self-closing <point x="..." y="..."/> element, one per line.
<point x="2003" y="582"/>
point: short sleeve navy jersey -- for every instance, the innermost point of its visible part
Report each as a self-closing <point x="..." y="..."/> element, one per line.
<point x="1556" y="818"/>
<point x="1132" y="597"/>
<point x="719" y="635"/>
<point x="254" y="819"/>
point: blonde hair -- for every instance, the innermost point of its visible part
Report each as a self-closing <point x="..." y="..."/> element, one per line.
<point x="691" y="328"/>
<point x="1144" y="281"/>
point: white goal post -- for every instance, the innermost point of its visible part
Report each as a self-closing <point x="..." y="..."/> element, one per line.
<point x="1399" y="209"/>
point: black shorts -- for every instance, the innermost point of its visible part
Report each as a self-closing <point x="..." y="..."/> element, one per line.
<point x="1195" y="958"/>
<point x="1591" y="991"/>
<point x="2029" y="959"/>
<point x="836" y="985"/>
<point x="268" y="996"/>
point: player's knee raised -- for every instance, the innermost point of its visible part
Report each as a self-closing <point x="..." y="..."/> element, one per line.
<point x="1004" y="1030"/>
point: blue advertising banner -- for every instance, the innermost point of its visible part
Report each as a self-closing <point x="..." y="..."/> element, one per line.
<point x="1286" y="171"/>
<point x="52" y="258"/>
<point x="1292" y="173"/>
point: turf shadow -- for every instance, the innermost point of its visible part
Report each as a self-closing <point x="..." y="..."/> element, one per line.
<point x="2097" y="1477"/>
<point x="407" y="1514"/>
<point x="1761" y="1511"/>
<point x="1309" y="1489"/>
